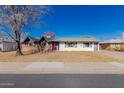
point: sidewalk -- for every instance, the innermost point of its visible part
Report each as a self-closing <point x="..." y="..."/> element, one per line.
<point x="61" y="68"/>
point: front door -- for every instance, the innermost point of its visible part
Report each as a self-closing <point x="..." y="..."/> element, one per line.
<point x="55" y="46"/>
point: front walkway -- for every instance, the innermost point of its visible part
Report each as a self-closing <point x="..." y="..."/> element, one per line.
<point x="61" y="68"/>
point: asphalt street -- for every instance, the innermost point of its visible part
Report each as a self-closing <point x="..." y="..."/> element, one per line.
<point x="61" y="80"/>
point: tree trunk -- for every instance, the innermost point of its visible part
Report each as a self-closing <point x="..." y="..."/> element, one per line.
<point x="38" y="47"/>
<point x="18" y="50"/>
<point x="18" y="43"/>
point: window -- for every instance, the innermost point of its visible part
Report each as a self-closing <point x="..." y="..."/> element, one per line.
<point x="71" y="44"/>
<point x="87" y="45"/>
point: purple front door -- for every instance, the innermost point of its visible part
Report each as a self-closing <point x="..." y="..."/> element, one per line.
<point x="55" y="46"/>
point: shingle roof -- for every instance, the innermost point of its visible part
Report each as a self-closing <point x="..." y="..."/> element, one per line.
<point x="81" y="39"/>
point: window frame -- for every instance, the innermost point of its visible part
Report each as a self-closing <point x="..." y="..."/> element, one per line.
<point x="70" y="44"/>
<point x="89" y="45"/>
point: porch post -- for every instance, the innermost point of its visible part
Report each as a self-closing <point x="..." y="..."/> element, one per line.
<point x="98" y="46"/>
<point x="93" y="46"/>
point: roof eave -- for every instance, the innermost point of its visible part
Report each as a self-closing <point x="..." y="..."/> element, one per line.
<point x="71" y="41"/>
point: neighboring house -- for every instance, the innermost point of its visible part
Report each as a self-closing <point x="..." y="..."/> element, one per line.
<point x="6" y="44"/>
<point x="113" y="44"/>
<point x="76" y="44"/>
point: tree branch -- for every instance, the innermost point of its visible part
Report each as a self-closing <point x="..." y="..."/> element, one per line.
<point x="8" y="34"/>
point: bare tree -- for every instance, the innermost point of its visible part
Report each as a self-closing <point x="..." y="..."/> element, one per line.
<point x="14" y="19"/>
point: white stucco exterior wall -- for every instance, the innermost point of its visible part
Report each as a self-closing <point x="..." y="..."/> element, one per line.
<point x="98" y="47"/>
<point x="78" y="48"/>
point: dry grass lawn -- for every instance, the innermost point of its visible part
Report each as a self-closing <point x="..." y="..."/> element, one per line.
<point x="57" y="57"/>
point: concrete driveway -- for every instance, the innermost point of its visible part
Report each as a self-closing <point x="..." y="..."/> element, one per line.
<point x="118" y="55"/>
<point x="61" y="68"/>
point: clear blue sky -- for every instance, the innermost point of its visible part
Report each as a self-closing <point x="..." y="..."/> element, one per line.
<point x="103" y="22"/>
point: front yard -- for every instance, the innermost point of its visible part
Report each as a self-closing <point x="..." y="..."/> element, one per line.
<point x="58" y="57"/>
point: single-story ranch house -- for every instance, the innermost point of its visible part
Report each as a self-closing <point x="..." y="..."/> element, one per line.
<point x="65" y="44"/>
<point x="76" y="44"/>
